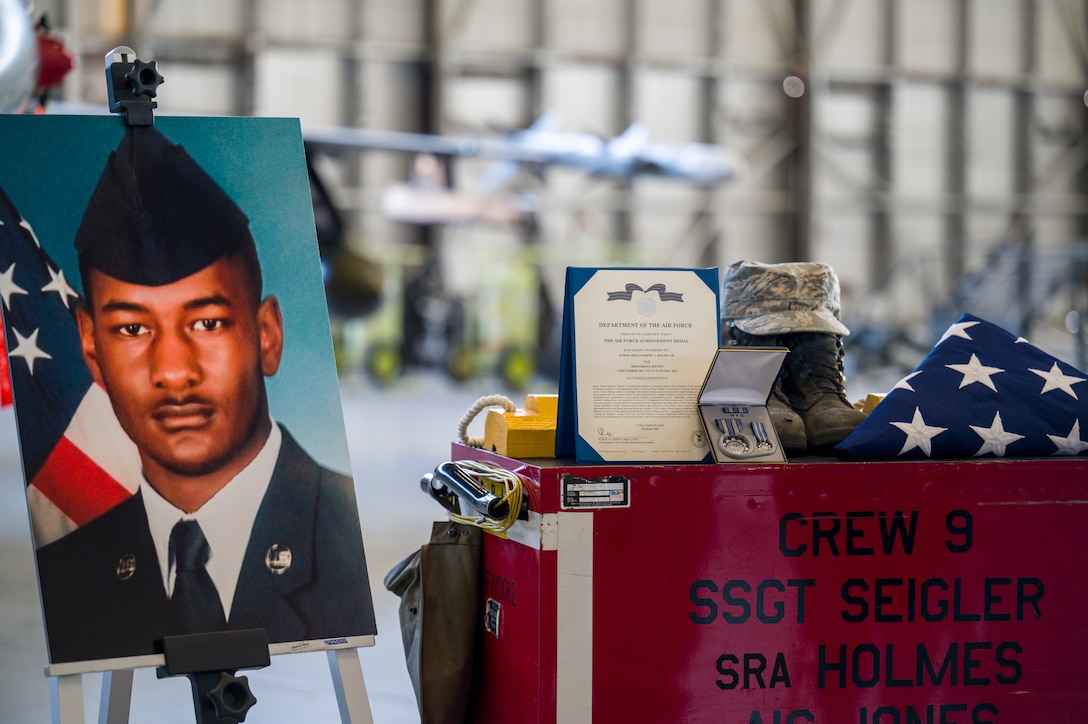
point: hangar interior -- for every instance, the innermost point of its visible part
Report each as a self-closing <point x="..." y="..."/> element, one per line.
<point x="933" y="152"/>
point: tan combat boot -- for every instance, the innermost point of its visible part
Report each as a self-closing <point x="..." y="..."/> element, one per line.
<point x="814" y="382"/>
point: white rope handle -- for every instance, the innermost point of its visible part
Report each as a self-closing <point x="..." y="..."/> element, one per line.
<point x="480" y="404"/>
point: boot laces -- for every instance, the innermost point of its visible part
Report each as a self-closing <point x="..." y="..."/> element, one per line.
<point x="819" y="359"/>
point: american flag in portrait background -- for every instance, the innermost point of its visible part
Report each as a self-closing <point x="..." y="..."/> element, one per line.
<point x="981" y="392"/>
<point x="77" y="461"/>
<point x="5" y="378"/>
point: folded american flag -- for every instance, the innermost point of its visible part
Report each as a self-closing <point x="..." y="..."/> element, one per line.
<point x="981" y="392"/>
<point x="77" y="461"/>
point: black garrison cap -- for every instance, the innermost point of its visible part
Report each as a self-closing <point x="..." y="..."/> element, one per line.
<point x="156" y="216"/>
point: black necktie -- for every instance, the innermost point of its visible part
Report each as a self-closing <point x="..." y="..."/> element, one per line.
<point x="196" y="603"/>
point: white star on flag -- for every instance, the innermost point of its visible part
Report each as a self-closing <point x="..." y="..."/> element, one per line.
<point x="994" y="437"/>
<point x="957" y="330"/>
<point x="904" y="384"/>
<point x="8" y="287"/>
<point x="1056" y="380"/>
<point x="1071" y="444"/>
<point x="77" y="461"/>
<point x="1009" y="410"/>
<point x="27" y="348"/>
<point x="30" y="230"/>
<point x="919" y="434"/>
<point x="60" y="286"/>
<point x="974" y="371"/>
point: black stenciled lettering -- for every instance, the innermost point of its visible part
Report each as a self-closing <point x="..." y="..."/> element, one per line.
<point x="709" y="604"/>
<point x="753" y="671"/>
<point x="780" y="674"/>
<point x="1028" y="591"/>
<point x="882" y="599"/>
<point x="897" y="529"/>
<point x="884" y="715"/>
<point x="771" y="601"/>
<point x="958" y="614"/>
<point x="851" y="599"/>
<point x="824" y="665"/>
<point x="889" y="674"/>
<point x="867" y="657"/>
<point x="870" y="665"/>
<point x="761" y="599"/>
<point x="894" y="600"/>
<point x="758" y="664"/>
<point x="929" y="714"/>
<point x="927" y="672"/>
<point x="783" y="530"/>
<point x="961" y="525"/>
<point x="826" y="532"/>
<point x="946" y="709"/>
<point x="731" y="675"/>
<point x="854" y="532"/>
<point x="930" y="614"/>
<point x="991" y="599"/>
<point x="741" y="603"/>
<point x="791" y="717"/>
<point x="914" y="715"/>
<point x="971" y="662"/>
<point x="801" y="584"/>
<point x="1015" y="669"/>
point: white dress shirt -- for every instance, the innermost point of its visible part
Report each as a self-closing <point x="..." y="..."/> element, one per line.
<point x="226" y="520"/>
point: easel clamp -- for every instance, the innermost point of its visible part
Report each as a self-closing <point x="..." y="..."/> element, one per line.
<point x="131" y="84"/>
<point x="210" y="660"/>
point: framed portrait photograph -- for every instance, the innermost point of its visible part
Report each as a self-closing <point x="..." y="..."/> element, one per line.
<point x="175" y="390"/>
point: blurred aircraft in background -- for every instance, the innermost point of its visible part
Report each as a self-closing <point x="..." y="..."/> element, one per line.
<point x="429" y="326"/>
<point x="427" y="198"/>
<point x="622" y="157"/>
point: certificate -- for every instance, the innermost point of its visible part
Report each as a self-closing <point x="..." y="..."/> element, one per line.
<point x="637" y="344"/>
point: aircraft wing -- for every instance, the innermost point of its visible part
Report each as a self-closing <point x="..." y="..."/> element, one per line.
<point x="627" y="155"/>
<point x="492" y="148"/>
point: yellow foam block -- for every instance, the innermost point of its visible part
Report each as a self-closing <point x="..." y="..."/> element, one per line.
<point x="527" y="433"/>
<point x="866" y="405"/>
<point x="547" y="405"/>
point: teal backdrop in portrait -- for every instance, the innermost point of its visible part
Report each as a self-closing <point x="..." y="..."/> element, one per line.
<point x="49" y="166"/>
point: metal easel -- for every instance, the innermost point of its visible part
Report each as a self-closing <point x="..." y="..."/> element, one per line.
<point x="66" y="690"/>
<point x="210" y="661"/>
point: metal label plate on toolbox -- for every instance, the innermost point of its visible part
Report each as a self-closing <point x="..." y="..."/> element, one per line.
<point x="613" y="491"/>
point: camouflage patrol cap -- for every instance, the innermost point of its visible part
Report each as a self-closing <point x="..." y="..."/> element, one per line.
<point x="764" y="299"/>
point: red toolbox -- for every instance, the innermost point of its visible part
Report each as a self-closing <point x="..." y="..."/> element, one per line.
<point x="833" y="592"/>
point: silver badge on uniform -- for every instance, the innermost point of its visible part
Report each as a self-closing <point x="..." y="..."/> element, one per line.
<point x="278" y="558"/>
<point x="126" y="567"/>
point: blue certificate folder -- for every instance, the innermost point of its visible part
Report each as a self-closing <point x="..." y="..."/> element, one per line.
<point x="568" y="442"/>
